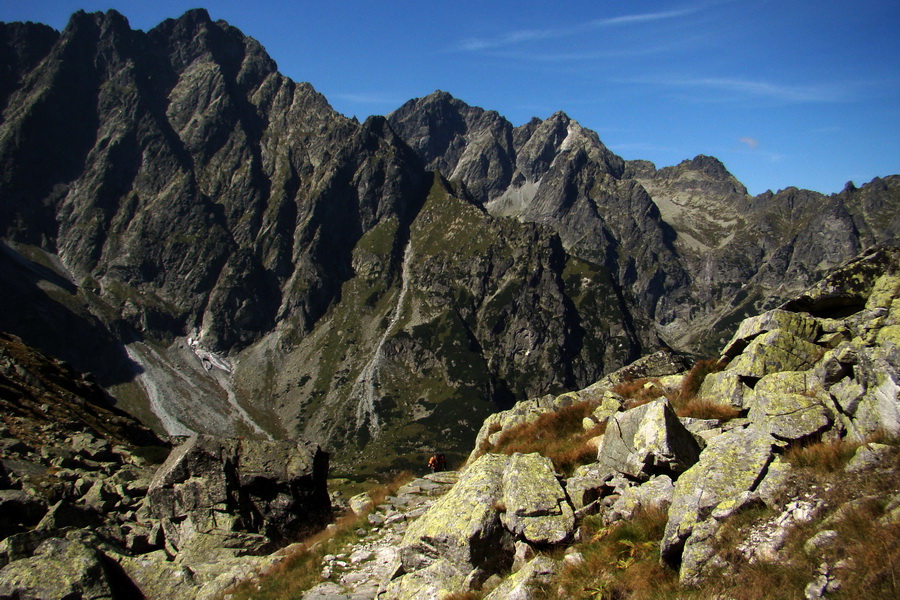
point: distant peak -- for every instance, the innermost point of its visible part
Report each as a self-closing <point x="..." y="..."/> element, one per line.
<point x="559" y="116"/>
<point x="196" y="15"/>
<point x="710" y="165"/>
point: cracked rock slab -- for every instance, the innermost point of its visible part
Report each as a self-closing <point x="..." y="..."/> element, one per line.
<point x="732" y="463"/>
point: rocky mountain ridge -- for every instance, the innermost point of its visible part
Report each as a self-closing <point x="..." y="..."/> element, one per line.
<point x="227" y="253"/>
<point x="86" y="513"/>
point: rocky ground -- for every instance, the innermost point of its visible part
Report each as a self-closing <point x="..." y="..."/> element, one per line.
<point x="820" y="371"/>
<point x="94" y="505"/>
<point x="359" y="570"/>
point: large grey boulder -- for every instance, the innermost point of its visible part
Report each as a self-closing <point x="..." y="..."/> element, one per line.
<point x="536" y="507"/>
<point x="724" y="387"/>
<point x="211" y="485"/>
<point x="733" y="463"/>
<point x="774" y="351"/>
<point x="587" y="484"/>
<point x="439" y="579"/>
<point x="60" y="568"/>
<point x="800" y="325"/>
<point x="657" y="492"/>
<point x="464" y="526"/>
<point x="791" y="405"/>
<point x="647" y="440"/>
<point x="878" y="409"/>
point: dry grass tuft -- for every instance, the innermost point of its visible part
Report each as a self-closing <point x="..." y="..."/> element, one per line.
<point x="639" y="391"/>
<point x="619" y="561"/>
<point x="705" y="409"/>
<point x="690" y="386"/>
<point x="558" y="435"/>
<point x="822" y="457"/>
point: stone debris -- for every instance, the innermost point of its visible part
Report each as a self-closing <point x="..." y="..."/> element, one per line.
<point x="359" y="571"/>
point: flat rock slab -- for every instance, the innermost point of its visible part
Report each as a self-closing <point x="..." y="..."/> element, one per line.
<point x="535" y="502"/>
<point x="774" y="351"/>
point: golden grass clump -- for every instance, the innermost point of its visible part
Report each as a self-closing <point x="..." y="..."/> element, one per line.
<point x="705" y="409"/>
<point x="690" y="385"/>
<point x="823" y="457"/>
<point x="619" y="561"/>
<point x="558" y="435"/>
<point x="639" y="391"/>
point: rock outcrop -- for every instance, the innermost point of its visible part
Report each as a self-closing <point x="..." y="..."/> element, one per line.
<point x="215" y="487"/>
<point x="86" y="510"/>
<point x="702" y="472"/>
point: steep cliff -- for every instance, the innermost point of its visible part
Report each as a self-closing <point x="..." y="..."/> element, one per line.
<point x="255" y="262"/>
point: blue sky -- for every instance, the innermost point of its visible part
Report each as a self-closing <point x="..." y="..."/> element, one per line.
<point x="784" y="92"/>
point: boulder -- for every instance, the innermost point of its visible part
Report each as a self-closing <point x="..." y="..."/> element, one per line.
<point x="647" y="440"/>
<point x="658" y="364"/>
<point x="790" y="406"/>
<point x="536" y="505"/>
<point x="724" y="387"/>
<point x="463" y="526"/>
<point x="276" y="489"/>
<point x="610" y="404"/>
<point x="733" y="462"/>
<point x="774" y="351"/>
<point x="439" y="579"/>
<point x="360" y="502"/>
<point x="521" y="585"/>
<point x="878" y="371"/>
<point x="869" y="456"/>
<point x="60" y="568"/>
<point x="801" y="326"/>
<point x="658" y="492"/>
<point x="588" y="484"/>
<point x="19" y="510"/>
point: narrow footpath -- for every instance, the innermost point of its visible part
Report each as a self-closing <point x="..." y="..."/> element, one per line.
<point x="358" y="571"/>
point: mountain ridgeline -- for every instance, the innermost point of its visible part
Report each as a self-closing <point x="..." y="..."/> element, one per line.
<point x="228" y="254"/>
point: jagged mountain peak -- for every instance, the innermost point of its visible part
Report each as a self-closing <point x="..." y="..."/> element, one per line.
<point x="184" y="188"/>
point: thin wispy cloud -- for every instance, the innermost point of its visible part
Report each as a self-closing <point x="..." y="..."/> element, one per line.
<point x="750" y="142"/>
<point x="750" y="88"/>
<point x="531" y="35"/>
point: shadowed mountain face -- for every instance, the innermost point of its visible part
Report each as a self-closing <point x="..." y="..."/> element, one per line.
<point x="249" y="260"/>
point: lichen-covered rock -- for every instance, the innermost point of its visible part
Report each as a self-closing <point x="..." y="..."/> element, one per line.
<point x="535" y="503"/>
<point x="799" y="325"/>
<point x="659" y="364"/>
<point x="777" y="350"/>
<point x="647" y="440"/>
<point x="731" y="464"/>
<point x="60" y="568"/>
<point x="724" y="387"/>
<point x="657" y="492"/>
<point x="790" y="405"/>
<point x="868" y="456"/>
<point x="520" y="585"/>
<point x="464" y="526"/>
<point x="587" y="483"/>
<point x="434" y="582"/>
<point x="610" y="404"/>
<point x="878" y="409"/>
